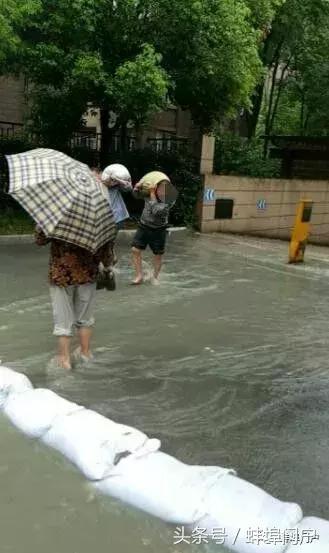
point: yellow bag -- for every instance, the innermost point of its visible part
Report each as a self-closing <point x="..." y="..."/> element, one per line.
<point x="151" y="181"/>
<point x="166" y="193"/>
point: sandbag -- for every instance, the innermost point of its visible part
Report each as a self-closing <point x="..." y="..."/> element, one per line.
<point x="12" y="382"/>
<point x="95" y="444"/>
<point x="151" y="181"/>
<point x="163" y="486"/>
<point x="33" y="412"/>
<point x="248" y="515"/>
<point x="310" y="536"/>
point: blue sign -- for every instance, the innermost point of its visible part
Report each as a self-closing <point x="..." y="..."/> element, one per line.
<point x="261" y="204"/>
<point x="209" y="195"/>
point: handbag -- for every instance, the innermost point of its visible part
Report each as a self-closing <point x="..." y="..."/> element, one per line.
<point x="106" y="280"/>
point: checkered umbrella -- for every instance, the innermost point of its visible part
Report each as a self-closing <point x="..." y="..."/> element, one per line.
<point x="63" y="197"/>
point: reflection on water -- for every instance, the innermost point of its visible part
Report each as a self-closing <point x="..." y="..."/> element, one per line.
<point x="226" y="362"/>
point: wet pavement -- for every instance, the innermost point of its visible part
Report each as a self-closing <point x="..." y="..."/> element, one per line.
<point x="226" y="362"/>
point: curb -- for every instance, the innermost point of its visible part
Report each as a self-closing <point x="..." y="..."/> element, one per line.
<point x="29" y="238"/>
<point x="16" y="239"/>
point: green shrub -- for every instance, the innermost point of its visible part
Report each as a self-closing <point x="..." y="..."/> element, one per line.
<point x="181" y="169"/>
<point x="238" y="156"/>
<point x="85" y="155"/>
<point x="15" y="221"/>
<point x="189" y="187"/>
<point x="144" y="160"/>
<point x="15" y="145"/>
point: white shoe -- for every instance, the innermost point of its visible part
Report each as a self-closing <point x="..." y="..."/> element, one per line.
<point x="155" y="281"/>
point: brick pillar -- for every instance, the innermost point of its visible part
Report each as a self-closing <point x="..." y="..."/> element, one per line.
<point x="207" y="154"/>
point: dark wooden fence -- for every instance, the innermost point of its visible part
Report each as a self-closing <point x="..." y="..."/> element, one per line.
<point x="302" y="157"/>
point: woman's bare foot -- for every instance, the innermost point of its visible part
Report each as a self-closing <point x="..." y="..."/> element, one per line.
<point x="61" y="363"/>
<point x="78" y="357"/>
<point x="137" y="281"/>
<point x="65" y="363"/>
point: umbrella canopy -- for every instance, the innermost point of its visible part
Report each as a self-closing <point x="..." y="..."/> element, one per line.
<point x="63" y="197"/>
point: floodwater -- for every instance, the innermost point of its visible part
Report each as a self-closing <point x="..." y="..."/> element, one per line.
<point x="226" y="362"/>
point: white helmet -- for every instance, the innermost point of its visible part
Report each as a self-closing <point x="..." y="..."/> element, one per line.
<point x="116" y="173"/>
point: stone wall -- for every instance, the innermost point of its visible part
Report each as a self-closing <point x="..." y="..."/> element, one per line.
<point x="264" y="207"/>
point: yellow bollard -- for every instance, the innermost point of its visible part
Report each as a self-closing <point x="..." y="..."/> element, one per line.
<point x="300" y="232"/>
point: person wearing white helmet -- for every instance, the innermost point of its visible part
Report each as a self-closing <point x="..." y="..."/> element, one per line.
<point x="117" y="179"/>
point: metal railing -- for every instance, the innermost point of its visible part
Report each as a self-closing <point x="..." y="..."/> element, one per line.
<point x="85" y="139"/>
<point x="91" y="140"/>
<point x="8" y="129"/>
<point x="171" y="144"/>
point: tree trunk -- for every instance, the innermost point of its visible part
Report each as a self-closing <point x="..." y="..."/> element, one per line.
<point x="105" y="134"/>
<point x="275" y="66"/>
<point x="303" y="119"/>
<point x="123" y="137"/>
<point x="278" y="96"/>
<point x="253" y="116"/>
<point x="270" y="108"/>
<point x="140" y="138"/>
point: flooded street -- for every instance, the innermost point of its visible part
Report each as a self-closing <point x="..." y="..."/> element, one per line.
<point x="226" y="362"/>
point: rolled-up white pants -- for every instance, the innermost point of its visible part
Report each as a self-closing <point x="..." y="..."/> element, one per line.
<point x="73" y="306"/>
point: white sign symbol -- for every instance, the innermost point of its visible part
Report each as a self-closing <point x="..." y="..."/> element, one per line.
<point x="261" y="204"/>
<point x="209" y="195"/>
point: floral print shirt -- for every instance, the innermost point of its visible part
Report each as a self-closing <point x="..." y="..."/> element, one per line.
<point x="71" y="265"/>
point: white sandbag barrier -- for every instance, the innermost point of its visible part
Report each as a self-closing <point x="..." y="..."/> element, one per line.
<point x="311" y="535"/>
<point x="206" y="504"/>
<point x="248" y="513"/>
<point x="163" y="486"/>
<point x="35" y="411"/>
<point x="95" y="444"/>
<point x="12" y="382"/>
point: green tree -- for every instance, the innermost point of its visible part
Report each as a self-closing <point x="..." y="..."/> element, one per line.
<point x="297" y="29"/>
<point x="131" y="56"/>
<point x="7" y="37"/>
<point x="287" y="116"/>
<point x="13" y="13"/>
<point x="263" y="12"/>
<point x="209" y="50"/>
<point x="311" y="78"/>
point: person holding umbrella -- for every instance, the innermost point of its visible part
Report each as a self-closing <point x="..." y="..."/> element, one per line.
<point x="73" y="275"/>
<point x="72" y="213"/>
